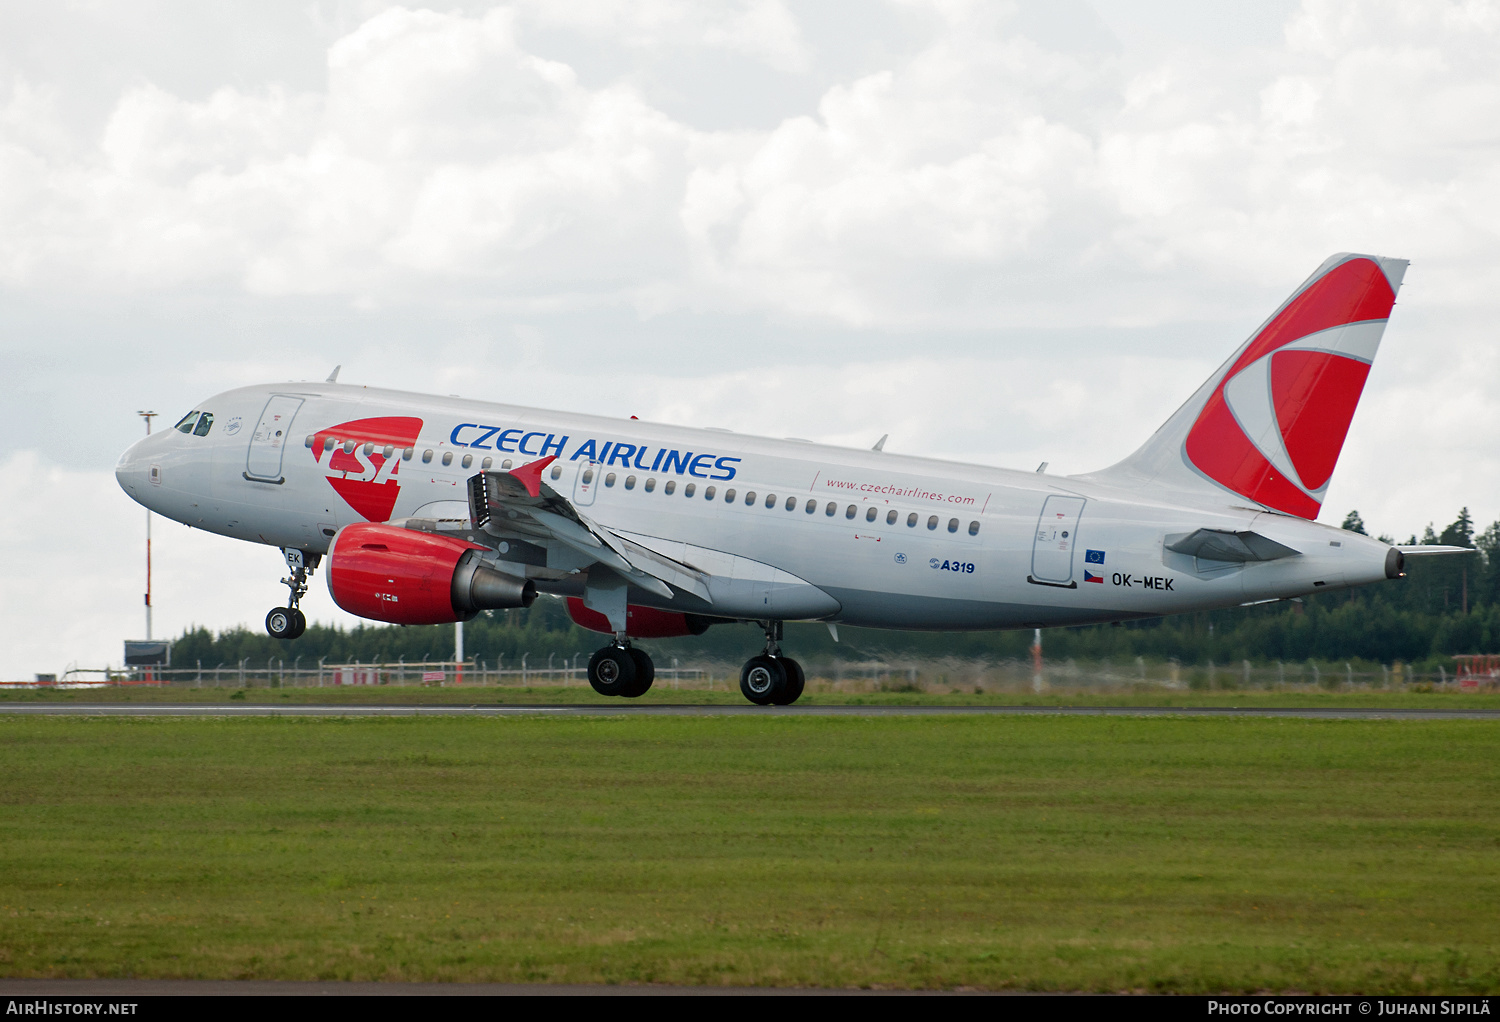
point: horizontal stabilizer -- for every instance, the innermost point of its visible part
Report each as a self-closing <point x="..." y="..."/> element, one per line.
<point x="1223" y="545"/>
<point x="1421" y="550"/>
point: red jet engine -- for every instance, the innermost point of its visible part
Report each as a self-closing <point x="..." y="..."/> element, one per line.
<point x="640" y="622"/>
<point x="392" y="574"/>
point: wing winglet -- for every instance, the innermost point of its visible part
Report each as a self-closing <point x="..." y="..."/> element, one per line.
<point x="529" y="475"/>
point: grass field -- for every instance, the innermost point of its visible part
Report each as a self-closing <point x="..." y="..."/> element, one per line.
<point x="1169" y="854"/>
<point x="819" y="692"/>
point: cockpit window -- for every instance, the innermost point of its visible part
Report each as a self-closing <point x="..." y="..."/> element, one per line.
<point x="186" y="425"/>
<point x="204" y="424"/>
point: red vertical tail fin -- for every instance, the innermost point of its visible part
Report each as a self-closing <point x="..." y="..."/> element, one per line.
<point x="1269" y="425"/>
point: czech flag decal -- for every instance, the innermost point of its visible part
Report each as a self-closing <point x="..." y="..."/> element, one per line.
<point x="1089" y="576"/>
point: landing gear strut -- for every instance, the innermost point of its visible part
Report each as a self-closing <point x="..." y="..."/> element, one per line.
<point x="288" y="622"/>
<point x="771" y="679"/>
<point x="620" y="669"/>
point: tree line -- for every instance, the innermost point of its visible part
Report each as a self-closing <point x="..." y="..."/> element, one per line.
<point x="1445" y="605"/>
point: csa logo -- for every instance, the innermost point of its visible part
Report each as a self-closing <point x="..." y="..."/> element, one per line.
<point x="363" y="461"/>
<point x="1274" y="425"/>
<point x="900" y="558"/>
<point x="233" y="426"/>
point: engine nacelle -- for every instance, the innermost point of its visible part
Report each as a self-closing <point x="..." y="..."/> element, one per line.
<point x="640" y="622"/>
<point x="392" y="574"/>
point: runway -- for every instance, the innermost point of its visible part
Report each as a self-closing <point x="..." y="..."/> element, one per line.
<point x="686" y="710"/>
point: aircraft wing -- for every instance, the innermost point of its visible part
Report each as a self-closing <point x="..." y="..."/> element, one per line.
<point x="1430" y="548"/>
<point x="519" y="503"/>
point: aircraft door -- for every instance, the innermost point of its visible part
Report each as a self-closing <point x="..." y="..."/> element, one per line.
<point x="1056" y="537"/>
<point x="586" y="484"/>
<point x="268" y="442"/>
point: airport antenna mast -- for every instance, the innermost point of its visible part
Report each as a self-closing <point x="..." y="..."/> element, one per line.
<point x="148" y="416"/>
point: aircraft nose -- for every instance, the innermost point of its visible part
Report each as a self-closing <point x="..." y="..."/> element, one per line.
<point x="130" y="472"/>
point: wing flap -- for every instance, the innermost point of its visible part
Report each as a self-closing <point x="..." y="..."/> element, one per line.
<point x="520" y="501"/>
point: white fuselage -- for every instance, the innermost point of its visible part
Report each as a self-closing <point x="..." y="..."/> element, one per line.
<point x="908" y="543"/>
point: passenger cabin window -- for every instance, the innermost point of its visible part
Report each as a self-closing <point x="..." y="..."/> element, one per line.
<point x="486" y="463"/>
<point x="505" y="464"/>
<point x="389" y="450"/>
<point x="791" y="503"/>
<point x="650" y="486"/>
<point x="468" y="460"/>
<point x="690" y="489"/>
<point x="185" y="425"/>
<point x="708" y="493"/>
<point x="670" y="488"/>
<point x="309" y="441"/>
<point x="630" y="482"/>
<point x="729" y="496"/>
<point x="890" y="517"/>
<point x="851" y="511"/>
<point x="204" y="424"/>
<point x="369" y="450"/>
<point x="973" y="528"/>
<point x="329" y="443"/>
<point x="871" y="514"/>
<point x="831" y="509"/>
<point x="911" y="520"/>
<point x="953" y="525"/>
<point x="932" y="522"/>
<point x="426" y="457"/>
<point x="588" y="475"/>
<point x="556" y="469"/>
<point x="812" y="507"/>
<point x="348" y="446"/>
<point x="609" y="480"/>
<point x="407" y="453"/>
<point x="750" y="498"/>
<point x="447" y="457"/>
<point x="770" y="500"/>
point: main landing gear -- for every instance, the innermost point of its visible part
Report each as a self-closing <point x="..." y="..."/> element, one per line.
<point x="771" y="679"/>
<point x="288" y="622"/>
<point x="620" y="669"/>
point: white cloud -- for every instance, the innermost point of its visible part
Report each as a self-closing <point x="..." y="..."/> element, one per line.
<point x="987" y="179"/>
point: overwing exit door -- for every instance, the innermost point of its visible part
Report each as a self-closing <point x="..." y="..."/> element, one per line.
<point x="268" y="442"/>
<point x="586" y="484"/>
<point x="1056" y="538"/>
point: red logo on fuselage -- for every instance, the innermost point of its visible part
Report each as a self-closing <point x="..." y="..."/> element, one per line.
<point x="364" y="460"/>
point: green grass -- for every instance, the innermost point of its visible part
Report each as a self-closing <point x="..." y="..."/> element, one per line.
<point x="1166" y="854"/>
<point x="819" y="693"/>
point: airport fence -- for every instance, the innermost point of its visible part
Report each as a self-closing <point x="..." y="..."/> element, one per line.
<point x="934" y="675"/>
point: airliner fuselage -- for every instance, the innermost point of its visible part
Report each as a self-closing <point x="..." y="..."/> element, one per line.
<point x="433" y="508"/>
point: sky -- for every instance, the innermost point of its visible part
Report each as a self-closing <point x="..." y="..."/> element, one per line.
<point x="1001" y="232"/>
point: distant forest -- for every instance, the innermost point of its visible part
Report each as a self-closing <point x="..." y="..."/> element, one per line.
<point x="1445" y="605"/>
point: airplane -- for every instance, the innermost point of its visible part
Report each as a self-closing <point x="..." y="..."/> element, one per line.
<point x="431" y="510"/>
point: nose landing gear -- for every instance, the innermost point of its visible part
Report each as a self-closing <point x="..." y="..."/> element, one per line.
<point x="620" y="669"/>
<point x="771" y="679"/>
<point x="288" y="622"/>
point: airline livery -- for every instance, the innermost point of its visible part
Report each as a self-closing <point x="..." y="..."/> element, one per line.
<point x="432" y="509"/>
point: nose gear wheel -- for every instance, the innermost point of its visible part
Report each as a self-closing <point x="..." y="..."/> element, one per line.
<point x="289" y="622"/>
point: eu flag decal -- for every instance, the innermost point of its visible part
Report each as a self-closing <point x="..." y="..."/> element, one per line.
<point x="1089" y="576"/>
<point x="1093" y="557"/>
